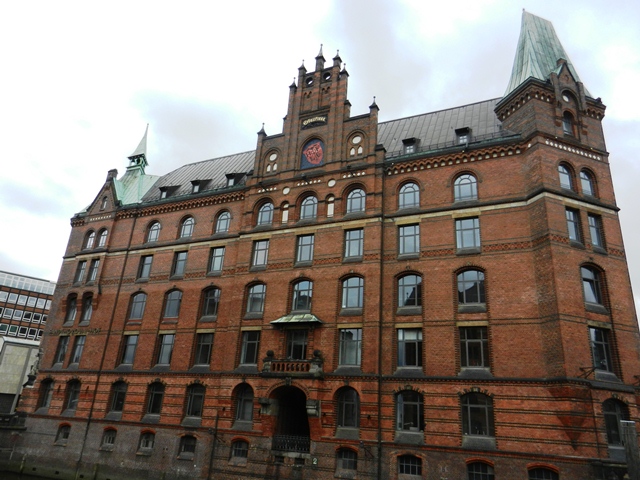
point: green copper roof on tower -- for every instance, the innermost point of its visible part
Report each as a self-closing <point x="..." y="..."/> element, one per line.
<point x="538" y="52"/>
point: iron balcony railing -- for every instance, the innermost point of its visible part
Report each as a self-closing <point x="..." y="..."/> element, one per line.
<point x="291" y="443"/>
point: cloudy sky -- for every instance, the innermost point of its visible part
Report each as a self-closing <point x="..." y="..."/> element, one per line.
<point x="80" y="80"/>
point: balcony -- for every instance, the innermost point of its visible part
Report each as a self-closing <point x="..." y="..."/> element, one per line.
<point x="272" y="367"/>
<point x="291" y="443"/>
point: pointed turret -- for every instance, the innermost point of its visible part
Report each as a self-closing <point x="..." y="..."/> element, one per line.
<point x="538" y="54"/>
<point x="320" y="61"/>
<point x="138" y="159"/>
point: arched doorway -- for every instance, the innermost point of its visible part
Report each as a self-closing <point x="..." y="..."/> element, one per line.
<point x="292" y="422"/>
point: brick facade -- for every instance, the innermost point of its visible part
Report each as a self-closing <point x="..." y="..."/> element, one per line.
<point x="500" y="359"/>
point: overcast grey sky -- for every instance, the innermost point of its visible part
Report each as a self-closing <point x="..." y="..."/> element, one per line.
<point x="80" y="80"/>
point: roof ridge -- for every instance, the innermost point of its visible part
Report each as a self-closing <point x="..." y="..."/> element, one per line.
<point x="438" y="111"/>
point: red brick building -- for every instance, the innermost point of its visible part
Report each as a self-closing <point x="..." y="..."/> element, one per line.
<point x="439" y="296"/>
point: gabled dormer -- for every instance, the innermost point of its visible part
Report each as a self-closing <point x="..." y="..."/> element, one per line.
<point x="319" y="133"/>
<point x="545" y="93"/>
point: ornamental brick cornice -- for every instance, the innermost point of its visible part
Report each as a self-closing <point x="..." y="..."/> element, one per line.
<point x="180" y="205"/>
<point x="455" y="159"/>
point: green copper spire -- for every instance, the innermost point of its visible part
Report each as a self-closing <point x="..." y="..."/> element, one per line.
<point x="538" y="52"/>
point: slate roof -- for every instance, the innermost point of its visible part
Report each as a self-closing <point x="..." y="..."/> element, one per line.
<point x="438" y="129"/>
<point x="214" y="172"/>
<point x="537" y="53"/>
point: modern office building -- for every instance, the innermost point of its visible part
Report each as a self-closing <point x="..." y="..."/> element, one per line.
<point x="439" y="296"/>
<point x="24" y="307"/>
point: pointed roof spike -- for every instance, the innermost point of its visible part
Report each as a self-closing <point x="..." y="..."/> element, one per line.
<point x="320" y="60"/>
<point x="293" y="84"/>
<point x="262" y="132"/>
<point x="537" y="53"/>
<point x="374" y="104"/>
<point x="142" y="146"/>
<point x="337" y="60"/>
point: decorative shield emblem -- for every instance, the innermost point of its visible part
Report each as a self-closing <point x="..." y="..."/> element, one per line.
<point x="312" y="154"/>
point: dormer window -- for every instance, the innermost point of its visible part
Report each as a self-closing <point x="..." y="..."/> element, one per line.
<point x="195" y="187"/>
<point x="231" y="179"/>
<point x="410" y="145"/>
<point x="463" y="135"/>
<point x="163" y="193"/>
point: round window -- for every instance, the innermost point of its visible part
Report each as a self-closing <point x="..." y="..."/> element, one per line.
<point x="356" y="140"/>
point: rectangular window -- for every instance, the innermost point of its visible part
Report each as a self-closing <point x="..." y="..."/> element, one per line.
<point x="474" y="347"/>
<point x="31" y="302"/>
<point x="129" y="345"/>
<point x="350" y="346"/>
<point x="144" y="270"/>
<point x="78" y="347"/>
<point x="468" y="233"/>
<point x="8" y="312"/>
<point x="353" y="243"/>
<point x="179" y="263"/>
<point x="13" y="297"/>
<point x="204" y="346"/>
<point x="166" y="348"/>
<point x="600" y="349"/>
<point x="61" y="351"/>
<point x="22" y="299"/>
<point x="260" y="253"/>
<point x="595" y="230"/>
<point x="93" y="270"/>
<point x="409" y="347"/>
<point x="216" y="261"/>
<point x="409" y="239"/>
<point x="297" y="344"/>
<point x="304" y="249"/>
<point x="82" y="266"/>
<point x="250" y="347"/>
<point x="573" y="225"/>
<point x="41" y="303"/>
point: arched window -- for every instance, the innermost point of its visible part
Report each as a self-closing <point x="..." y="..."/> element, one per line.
<point x="543" y="474"/>
<point x="410" y="465"/>
<point x="346" y="459"/>
<point x="187" y="449"/>
<point x="302" y="293"/>
<point x="195" y="400"/>
<point x="477" y="415"/>
<point x="479" y="471"/>
<point x="102" y="238"/>
<point x="186" y="228"/>
<point x="355" y="145"/>
<point x="63" y="434"/>
<point x="138" y="302"/>
<point x="309" y="208"/>
<point x="566" y="177"/>
<point x="265" y="214"/>
<point x="210" y="302"/>
<point x="147" y="440"/>
<point x="118" y="395"/>
<point x="348" y="408"/>
<point x="568" y="124"/>
<point x="244" y="402"/>
<point x="409" y="411"/>
<point x="352" y="292"/>
<point x="587" y="183"/>
<point x="154" y="232"/>
<point x="410" y="291"/>
<point x="465" y="188"/>
<point x="409" y="196"/>
<point x="239" y="449"/>
<point x="222" y="224"/>
<point x="72" y="309"/>
<point x="45" y="393"/>
<point x="255" y="298"/>
<point x="592" y="285"/>
<point x="614" y="412"/>
<point x="172" y="304"/>
<point x="72" y="395"/>
<point x="471" y="287"/>
<point x="104" y="203"/>
<point x="155" y="394"/>
<point x="108" y="438"/>
<point x="87" y="308"/>
<point x="89" y="240"/>
<point x="356" y="200"/>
